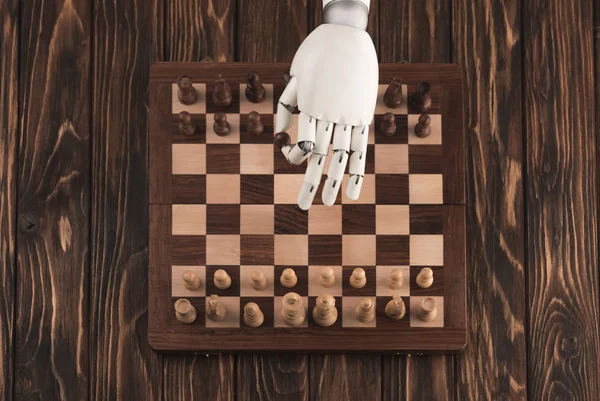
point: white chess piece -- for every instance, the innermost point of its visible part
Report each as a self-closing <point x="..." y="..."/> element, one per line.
<point x="334" y="82"/>
<point x="288" y="278"/>
<point x="425" y="277"/>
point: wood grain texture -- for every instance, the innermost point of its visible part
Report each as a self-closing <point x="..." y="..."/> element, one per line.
<point x="493" y="366"/>
<point x="122" y="363"/>
<point x="273" y="34"/>
<point x="201" y="28"/>
<point x="430" y="378"/>
<point x="415" y="31"/>
<point x="52" y="324"/>
<point x="561" y="201"/>
<point x="9" y="114"/>
<point x="198" y="378"/>
<point x="194" y="30"/>
<point x="393" y="378"/>
<point x="272" y="377"/>
<point x="345" y="377"/>
<point x="597" y="120"/>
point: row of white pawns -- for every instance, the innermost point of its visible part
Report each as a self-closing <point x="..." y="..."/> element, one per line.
<point x="293" y="311"/>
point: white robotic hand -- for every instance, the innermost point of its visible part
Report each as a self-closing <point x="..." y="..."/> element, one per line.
<point x="334" y="81"/>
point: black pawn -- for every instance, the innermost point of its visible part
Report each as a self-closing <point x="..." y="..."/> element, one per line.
<point x="255" y="125"/>
<point x="221" y="126"/>
<point x="222" y="95"/>
<point x="423" y="127"/>
<point x="388" y="125"/>
<point x="187" y="93"/>
<point x="394" y="97"/>
<point x="186" y="125"/>
<point x="282" y="139"/>
<point x="255" y="91"/>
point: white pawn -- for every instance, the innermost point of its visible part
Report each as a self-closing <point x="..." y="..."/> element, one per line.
<point x="185" y="311"/>
<point x="222" y="280"/>
<point x="191" y="281"/>
<point x="365" y="311"/>
<point x="215" y="310"/>
<point x="395" y="309"/>
<point x="327" y="277"/>
<point x="325" y="312"/>
<point x="292" y="311"/>
<point x="258" y="280"/>
<point x="358" y="279"/>
<point x="396" y="279"/>
<point x="253" y="316"/>
<point x="425" y="278"/>
<point x="428" y="310"/>
<point x="288" y="278"/>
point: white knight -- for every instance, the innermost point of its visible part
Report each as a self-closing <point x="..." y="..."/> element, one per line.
<point x="334" y="80"/>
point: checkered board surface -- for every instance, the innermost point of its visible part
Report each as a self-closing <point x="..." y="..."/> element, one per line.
<point x="230" y="203"/>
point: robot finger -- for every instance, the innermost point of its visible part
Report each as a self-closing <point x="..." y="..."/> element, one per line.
<point x="307" y="131"/>
<point x="337" y="166"/>
<point x="357" y="161"/>
<point x="316" y="164"/>
<point x="287" y="102"/>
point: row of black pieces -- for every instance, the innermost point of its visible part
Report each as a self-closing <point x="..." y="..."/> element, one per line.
<point x="422" y="129"/>
<point x="221" y="127"/>
<point x="222" y="95"/>
<point x="420" y="100"/>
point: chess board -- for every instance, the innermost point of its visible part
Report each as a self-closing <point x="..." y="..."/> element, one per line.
<point x="230" y="203"/>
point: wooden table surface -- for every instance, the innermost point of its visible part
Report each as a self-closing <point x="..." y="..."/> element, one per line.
<point x="73" y="196"/>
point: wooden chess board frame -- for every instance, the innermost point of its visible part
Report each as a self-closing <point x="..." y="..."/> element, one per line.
<point x="447" y="216"/>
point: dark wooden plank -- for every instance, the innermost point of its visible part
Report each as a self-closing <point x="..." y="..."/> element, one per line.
<point x="345" y="377"/>
<point x="52" y="326"/>
<point x="493" y="365"/>
<point x="597" y="87"/>
<point x="195" y="30"/>
<point x="271" y="30"/>
<point x="393" y="378"/>
<point x="126" y="41"/>
<point x="419" y="32"/>
<point x="561" y="200"/>
<point x="200" y="28"/>
<point x="9" y="116"/>
<point x="198" y="378"/>
<point x="437" y="385"/>
<point x="272" y="377"/>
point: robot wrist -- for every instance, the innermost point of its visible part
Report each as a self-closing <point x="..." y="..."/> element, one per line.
<point x="354" y="13"/>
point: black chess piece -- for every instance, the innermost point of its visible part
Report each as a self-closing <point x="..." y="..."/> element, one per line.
<point x="388" y="125"/>
<point x="222" y="95"/>
<point x="421" y="100"/>
<point x="187" y="93"/>
<point x="255" y="125"/>
<point x="423" y="127"/>
<point x="221" y="126"/>
<point x="186" y="125"/>
<point x="282" y="139"/>
<point x="394" y="97"/>
<point x="255" y="91"/>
